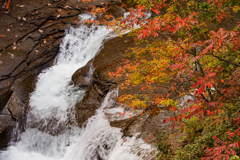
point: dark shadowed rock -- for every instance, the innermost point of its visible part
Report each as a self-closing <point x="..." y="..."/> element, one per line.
<point x="83" y="77"/>
<point x="16" y="104"/>
<point x="87" y="107"/>
<point x="6" y="120"/>
<point x="95" y="92"/>
<point x="107" y="60"/>
<point x="6" y="125"/>
<point x="4" y="98"/>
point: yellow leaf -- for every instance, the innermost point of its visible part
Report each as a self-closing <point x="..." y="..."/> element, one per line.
<point x="236" y="9"/>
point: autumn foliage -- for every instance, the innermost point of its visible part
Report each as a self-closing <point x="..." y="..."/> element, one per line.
<point x="195" y="55"/>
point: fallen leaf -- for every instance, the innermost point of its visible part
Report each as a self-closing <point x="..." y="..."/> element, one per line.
<point x="14" y="47"/>
<point x="8" y="83"/>
<point x="8" y="29"/>
<point x="67" y="6"/>
<point x="24" y="19"/>
<point x="76" y="21"/>
<point x="40" y="30"/>
<point x="21" y="6"/>
<point x="1" y="36"/>
<point x="58" y="15"/>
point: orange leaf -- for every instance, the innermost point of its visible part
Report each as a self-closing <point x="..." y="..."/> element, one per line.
<point x="7" y="6"/>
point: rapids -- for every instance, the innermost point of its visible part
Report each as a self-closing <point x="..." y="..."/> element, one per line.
<point x="51" y="131"/>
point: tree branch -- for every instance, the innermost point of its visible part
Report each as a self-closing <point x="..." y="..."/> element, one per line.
<point x="221" y="59"/>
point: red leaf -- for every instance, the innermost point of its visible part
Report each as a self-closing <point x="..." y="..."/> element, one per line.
<point x="183" y="116"/>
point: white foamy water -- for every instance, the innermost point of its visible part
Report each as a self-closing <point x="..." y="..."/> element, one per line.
<point x="51" y="132"/>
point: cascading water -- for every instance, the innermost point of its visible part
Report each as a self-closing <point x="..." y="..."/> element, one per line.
<point x="51" y="132"/>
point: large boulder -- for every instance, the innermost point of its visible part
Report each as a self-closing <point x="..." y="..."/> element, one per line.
<point x="109" y="58"/>
<point x="95" y="90"/>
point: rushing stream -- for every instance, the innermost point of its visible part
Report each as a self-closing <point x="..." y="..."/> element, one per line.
<point x="51" y="131"/>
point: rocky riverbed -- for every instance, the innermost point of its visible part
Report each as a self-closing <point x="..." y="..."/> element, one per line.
<point x="30" y="35"/>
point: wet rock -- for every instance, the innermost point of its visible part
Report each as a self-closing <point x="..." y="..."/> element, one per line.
<point x="4" y="98"/>
<point x="87" y="107"/>
<point x="94" y="95"/>
<point x="83" y="77"/>
<point x="6" y="120"/>
<point x="5" y="137"/>
<point x="109" y="58"/>
<point x="100" y="84"/>
<point x="114" y="10"/>
<point x="6" y="125"/>
<point x="16" y="104"/>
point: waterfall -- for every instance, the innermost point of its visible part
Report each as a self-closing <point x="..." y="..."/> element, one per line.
<point x="50" y="131"/>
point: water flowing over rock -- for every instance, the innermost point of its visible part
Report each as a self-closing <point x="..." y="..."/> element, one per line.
<point x="51" y="130"/>
<point x="30" y="35"/>
<point x="70" y="114"/>
<point x="108" y="59"/>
